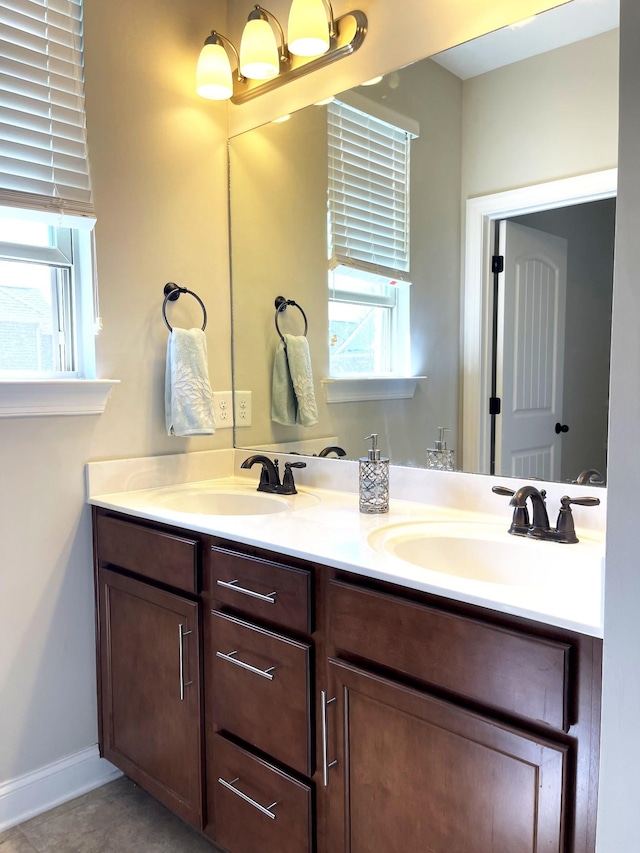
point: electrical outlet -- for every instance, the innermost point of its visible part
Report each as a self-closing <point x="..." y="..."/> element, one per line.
<point x="243" y="408"/>
<point x="223" y="409"/>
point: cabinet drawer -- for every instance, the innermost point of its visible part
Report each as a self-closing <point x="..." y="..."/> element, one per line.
<point x="164" y="557"/>
<point x="501" y="668"/>
<point x="256" y="806"/>
<point x="261" y="689"/>
<point x="271" y="591"/>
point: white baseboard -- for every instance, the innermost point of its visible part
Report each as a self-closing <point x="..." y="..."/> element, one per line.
<point x="59" y="782"/>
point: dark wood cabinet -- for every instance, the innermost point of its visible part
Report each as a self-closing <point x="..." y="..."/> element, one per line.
<point x="150" y="696"/>
<point x="417" y="773"/>
<point x="259" y="680"/>
<point x="287" y="707"/>
<point x="451" y="728"/>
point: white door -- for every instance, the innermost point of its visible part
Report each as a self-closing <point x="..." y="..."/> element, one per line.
<point x="530" y="352"/>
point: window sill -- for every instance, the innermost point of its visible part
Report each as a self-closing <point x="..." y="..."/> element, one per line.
<point x="353" y="390"/>
<point x="21" y="398"/>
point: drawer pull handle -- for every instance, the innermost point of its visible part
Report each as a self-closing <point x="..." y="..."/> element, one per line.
<point x="270" y="598"/>
<point x="326" y="764"/>
<point x="181" y="635"/>
<point x="262" y="809"/>
<point x="265" y="673"/>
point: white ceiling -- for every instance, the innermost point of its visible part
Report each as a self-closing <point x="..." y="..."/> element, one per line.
<point x="572" y="22"/>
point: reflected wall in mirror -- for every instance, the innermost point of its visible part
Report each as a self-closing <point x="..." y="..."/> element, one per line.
<point x="493" y="116"/>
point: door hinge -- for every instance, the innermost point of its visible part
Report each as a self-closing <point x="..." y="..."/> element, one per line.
<point x="494" y="405"/>
<point x="497" y="264"/>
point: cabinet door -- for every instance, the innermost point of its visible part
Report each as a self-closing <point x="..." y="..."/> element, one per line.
<point x="415" y="773"/>
<point x="150" y="668"/>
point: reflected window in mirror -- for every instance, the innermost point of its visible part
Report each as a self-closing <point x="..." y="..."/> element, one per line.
<point x="368" y="324"/>
<point x="368" y="242"/>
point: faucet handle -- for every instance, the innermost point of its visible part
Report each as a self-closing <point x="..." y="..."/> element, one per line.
<point x="520" y="523"/>
<point x="565" y="527"/>
<point x="587" y="501"/>
<point x="503" y="490"/>
<point x="288" y="485"/>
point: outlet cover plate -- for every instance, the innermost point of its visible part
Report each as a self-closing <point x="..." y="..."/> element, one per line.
<point x="223" y="409"/>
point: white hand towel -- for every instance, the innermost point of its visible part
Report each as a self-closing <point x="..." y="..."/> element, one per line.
<point x="299" y="360"/>
<point x="284" y="407"/>
<point x="188" y="399"/>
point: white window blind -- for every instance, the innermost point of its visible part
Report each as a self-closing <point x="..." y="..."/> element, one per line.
<point x="43" y="153"/>
<point x="368" y="192"/>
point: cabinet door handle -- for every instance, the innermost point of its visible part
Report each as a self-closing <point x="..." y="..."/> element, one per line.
<point x="262" y="809"/>
<point x="270" y="598"/>
<point x="181" y="635"/>
<point x="326" y="764"/>
<point x="265" y="673"/>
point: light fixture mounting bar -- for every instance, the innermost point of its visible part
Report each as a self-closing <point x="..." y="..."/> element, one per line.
<point x="351" y="30"/>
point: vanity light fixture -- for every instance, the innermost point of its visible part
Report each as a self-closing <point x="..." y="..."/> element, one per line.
<point x="310" y="32"/>
<point x="260" y="56"/>
<point x="214" y="79"/>
<point x="262" y="64"/>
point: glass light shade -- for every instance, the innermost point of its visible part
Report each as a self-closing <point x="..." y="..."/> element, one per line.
<point x="259" y="57"/>
<point x="308" y="31"/>
<point x="213" y="74"/>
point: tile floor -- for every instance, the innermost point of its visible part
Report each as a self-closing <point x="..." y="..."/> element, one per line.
<point x="118" y="818"/>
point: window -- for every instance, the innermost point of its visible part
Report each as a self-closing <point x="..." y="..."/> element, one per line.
<point x="47" y="301"/>
<point x="368" y="244"/>
<point x="41" y="304"/>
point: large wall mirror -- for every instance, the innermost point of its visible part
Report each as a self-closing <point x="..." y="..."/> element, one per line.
<point x="503" y="129"/>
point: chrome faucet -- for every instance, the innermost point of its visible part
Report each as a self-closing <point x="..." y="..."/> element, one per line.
<point x="538" y="527"/>
<point x="270" y="475"/>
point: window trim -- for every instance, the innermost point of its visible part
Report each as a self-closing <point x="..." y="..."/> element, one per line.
<point x="354" y="389"/>
<point x="51" y="397"/>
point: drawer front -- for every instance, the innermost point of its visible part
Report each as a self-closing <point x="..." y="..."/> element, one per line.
<point x="501" y="668"/>
<point x="271" y="591"/>
<point x="261" y="689"/>
<point x="255" y="806"/>
<point x="163" y="557"/>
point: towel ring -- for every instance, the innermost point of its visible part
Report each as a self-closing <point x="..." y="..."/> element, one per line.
<point x="171" y="293"/>
<point x="281" y="305"/>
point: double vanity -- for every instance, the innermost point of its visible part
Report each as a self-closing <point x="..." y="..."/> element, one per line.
<point x="288" y="674"/>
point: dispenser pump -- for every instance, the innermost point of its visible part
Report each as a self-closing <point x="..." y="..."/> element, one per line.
<point x="441" y="443"/>
<point x="374" y="451"/>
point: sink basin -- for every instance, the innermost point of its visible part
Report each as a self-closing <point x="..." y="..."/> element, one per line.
<point x="487" y="553"/>
<point x="227" y="499"/>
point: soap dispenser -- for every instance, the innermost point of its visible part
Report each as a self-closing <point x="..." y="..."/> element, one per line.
<point x="374" y="479"/>
<point x="440" y="457"/>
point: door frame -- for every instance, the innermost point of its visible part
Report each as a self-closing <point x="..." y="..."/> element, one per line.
<point x="477" y="291"/>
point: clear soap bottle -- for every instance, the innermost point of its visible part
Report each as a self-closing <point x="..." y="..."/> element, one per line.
<point x="441" y="457"/>
<point x="374" y="479"/>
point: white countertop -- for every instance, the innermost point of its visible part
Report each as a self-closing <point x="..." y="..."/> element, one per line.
<point x="325" y="526"/>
